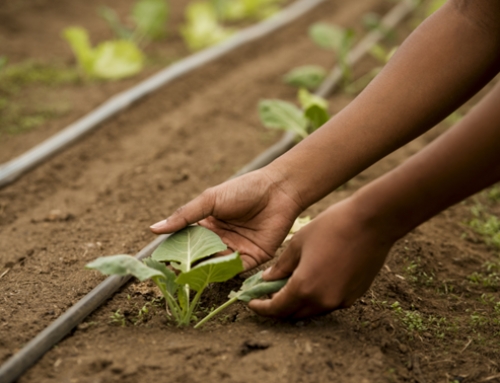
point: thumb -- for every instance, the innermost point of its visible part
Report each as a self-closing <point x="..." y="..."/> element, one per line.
<point x="196" y="210"/>
<point x="286" y="264"/>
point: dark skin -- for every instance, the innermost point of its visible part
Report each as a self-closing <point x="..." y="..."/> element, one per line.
<point x="333" y="260"/>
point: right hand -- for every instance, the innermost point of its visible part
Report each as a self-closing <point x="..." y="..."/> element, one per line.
<point x="252" y="214"/>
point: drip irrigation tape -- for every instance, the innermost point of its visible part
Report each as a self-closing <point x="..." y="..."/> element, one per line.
<point x="12" y="170"/>
<point x="43" y="342"/>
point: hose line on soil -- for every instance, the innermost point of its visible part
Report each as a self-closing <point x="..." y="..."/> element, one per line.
<point x="17" y="365"/>
<point x="15" y="168"/>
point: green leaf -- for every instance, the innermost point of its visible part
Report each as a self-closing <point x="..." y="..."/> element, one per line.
<point x="168" y="278"/>
<point x="277" y="114"/>
<point x="187" y="246"/>
<point x="78" y="39"/>
<point x="236" y="10"/>
<point x="308" y="76"/>
<point x="315" y="108"/>
<point x="111" y="18"/>
<point x="327" y="36"/>
<point x="110" y="60"/>
<point x="123" y="265"/>
<point x="202" y="28"/>
<point x="117" y="59"/>
<point x="218" y="269"/>
<point x="307" y="99"/>
<point x="255" y="287"/>
<point x="150" y="17"/>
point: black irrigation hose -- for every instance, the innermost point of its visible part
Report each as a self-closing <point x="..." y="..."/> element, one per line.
<point x="15" y="168"/>
<point x="17" y="365"/>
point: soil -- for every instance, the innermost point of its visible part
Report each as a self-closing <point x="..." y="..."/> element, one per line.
<point x="99" y="197"/>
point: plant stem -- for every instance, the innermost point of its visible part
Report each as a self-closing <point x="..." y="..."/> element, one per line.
<point x="216" y="311"/>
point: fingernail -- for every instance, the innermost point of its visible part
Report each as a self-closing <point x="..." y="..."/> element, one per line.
<point x="267" y="272"/>
<point x="158" y="224"/>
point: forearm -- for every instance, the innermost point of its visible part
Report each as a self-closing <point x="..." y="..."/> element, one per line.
<point x="441" y="65"/>
<point x="461" y="162"/>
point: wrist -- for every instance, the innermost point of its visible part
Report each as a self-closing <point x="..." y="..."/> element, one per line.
<point x="380" y="214"/>
<point x="280" y="184"/>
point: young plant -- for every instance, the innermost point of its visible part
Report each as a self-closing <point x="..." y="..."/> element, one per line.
<point x="307" y="76"/>
<point x="149" y="17"/>
<point x="237" y="10"/>
<point x="278" y="114"/>
<point x="183" y="250"/>
<point x="253" y="287"/>
<point x="202" y="29"/>
<point x="109" y="60"/>
<point x="337" y="39"/>
<point x="486" y="225"/>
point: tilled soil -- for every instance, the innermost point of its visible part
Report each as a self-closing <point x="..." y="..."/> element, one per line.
<point x="99" y="197"/>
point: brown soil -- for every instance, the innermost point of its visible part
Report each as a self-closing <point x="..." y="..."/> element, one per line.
<point x="99" y="197"/>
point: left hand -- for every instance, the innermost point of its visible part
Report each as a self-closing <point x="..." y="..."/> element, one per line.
<point x="332" y="261"/>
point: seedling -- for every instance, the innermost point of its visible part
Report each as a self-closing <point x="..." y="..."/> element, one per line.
<point x="113" y="59"/>
<point x="237" y="10"/>
<point x="149" y="17"/>
<point x="117" y="318"/>
<point x="202" y="28"/>
<point x="308" y="76"/>
<point x="494" y="194"/>
<point x="183" y="250"/>
<point x="486" y="225"/>
<point x="335" y="38"/>
<point x="278" y="114"/>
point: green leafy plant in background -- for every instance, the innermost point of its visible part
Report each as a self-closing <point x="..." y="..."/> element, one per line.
<point x="149" y="17"/>
<point x="338" y="39"/>
<point x="19" y="112"/>
<point x="116" y="59"/>
<point x="307" y="76"/>
<point x="278" y="114"/>
<point x="184" y="250"/>
<point x="237" y="10"/>
<point x="253" y="287"/>
<point x="487" y="225"/>
<point x="109" y="60"/>
<point x="202" y="28"/>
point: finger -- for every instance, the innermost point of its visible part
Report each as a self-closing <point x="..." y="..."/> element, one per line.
<point x="194" y="211"/>
<point x="286" y="264"/>
<point x="283" y="304"/>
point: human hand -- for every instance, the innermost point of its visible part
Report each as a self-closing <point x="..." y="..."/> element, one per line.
<point x="332" y="262"/>
<point x="252" y="214"/>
